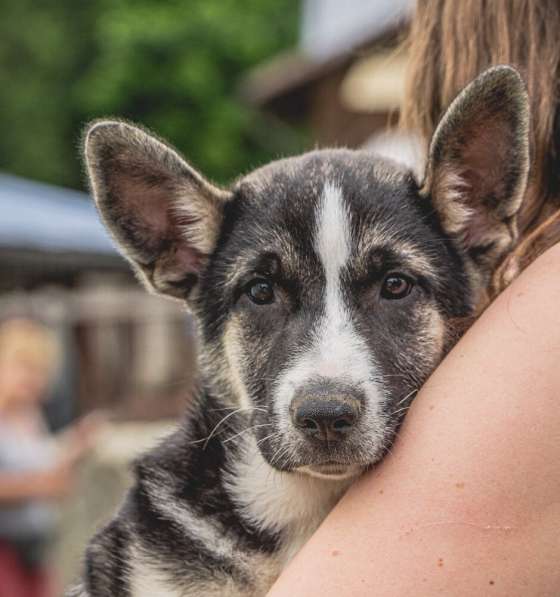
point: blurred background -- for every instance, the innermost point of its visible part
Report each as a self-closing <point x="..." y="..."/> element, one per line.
<point x="232" y="84"/>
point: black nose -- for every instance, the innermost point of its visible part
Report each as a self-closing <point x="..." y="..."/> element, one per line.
<point x="325" y="417"/>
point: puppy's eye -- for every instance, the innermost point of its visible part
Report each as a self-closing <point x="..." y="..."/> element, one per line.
<point x="396" y="286"/>
<point x="260" y="291"/>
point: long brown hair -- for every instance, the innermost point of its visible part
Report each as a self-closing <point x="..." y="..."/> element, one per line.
<point x="450" y="43"/>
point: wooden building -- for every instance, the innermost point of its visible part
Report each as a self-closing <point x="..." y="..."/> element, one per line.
<point x="125" y="351"/>
<point x="345" y="81"/>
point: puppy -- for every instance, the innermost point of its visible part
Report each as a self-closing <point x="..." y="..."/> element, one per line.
<point x="325" y="287"/>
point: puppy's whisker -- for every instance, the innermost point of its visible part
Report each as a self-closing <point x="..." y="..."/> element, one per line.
<point x="278" y="454"/>
<point x="244" y="408"/>
<point x="252" y="428"/>
<point x="406" y="397"/>
<point x="216" y="427"/>
<point x="400" y="410"/>
<point x="399" y="375"/>
<point x="276" y="434"/>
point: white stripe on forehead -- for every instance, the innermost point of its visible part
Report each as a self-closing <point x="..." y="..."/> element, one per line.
<point x="332" y="242"/>
<point x="336" y="338"/>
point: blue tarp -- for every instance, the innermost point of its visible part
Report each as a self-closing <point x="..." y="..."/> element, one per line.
<point x="43" y="217"/>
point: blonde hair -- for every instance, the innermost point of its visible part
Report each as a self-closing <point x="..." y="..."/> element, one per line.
<point x="29" y="341"/>
<point x="450" y="43"/>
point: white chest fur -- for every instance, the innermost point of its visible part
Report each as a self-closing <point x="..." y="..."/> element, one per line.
<point x="291" y="504"/>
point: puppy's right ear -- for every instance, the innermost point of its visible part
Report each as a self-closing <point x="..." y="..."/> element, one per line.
<point x="164" y="216"/>
<point x="478" y="165"/>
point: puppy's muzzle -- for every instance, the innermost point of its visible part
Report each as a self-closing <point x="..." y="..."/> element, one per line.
<point x="325" y="413"/>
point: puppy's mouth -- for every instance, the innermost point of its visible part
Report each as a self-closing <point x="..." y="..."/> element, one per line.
<point x="332" y="470"/>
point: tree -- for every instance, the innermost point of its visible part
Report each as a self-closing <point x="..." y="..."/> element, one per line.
<point x="172" y="65"/>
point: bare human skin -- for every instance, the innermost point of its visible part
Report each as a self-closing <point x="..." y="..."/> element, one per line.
<point x="468" y="502"/>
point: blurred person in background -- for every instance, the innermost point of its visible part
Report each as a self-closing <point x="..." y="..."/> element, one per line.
<point x="36" y="469"/>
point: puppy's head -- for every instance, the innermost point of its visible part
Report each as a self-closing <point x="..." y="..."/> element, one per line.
<point x="325" y="284"/>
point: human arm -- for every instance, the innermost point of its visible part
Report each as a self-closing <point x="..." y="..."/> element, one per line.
<point x="77" y="440"/>
<point x="468" y="502"/>
<point x="56" y="481"/>
<point x="49" y="484"/>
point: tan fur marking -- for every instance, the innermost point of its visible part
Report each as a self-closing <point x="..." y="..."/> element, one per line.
<point x="234" y="356"/>
<point x="448" y="190"/>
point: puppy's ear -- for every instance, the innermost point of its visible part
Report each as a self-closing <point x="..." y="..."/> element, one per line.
<point x="164" y="216"/>
<point x="478" y="164"/>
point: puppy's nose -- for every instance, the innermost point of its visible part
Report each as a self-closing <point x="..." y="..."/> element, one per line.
<point x="325" y="418"/>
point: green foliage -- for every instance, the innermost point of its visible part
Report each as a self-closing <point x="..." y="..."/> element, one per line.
<point x="172" y="65"/>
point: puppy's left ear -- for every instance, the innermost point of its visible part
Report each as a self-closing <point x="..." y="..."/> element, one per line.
<point x="165" y="216"/>
<point x="478" y="164"/>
